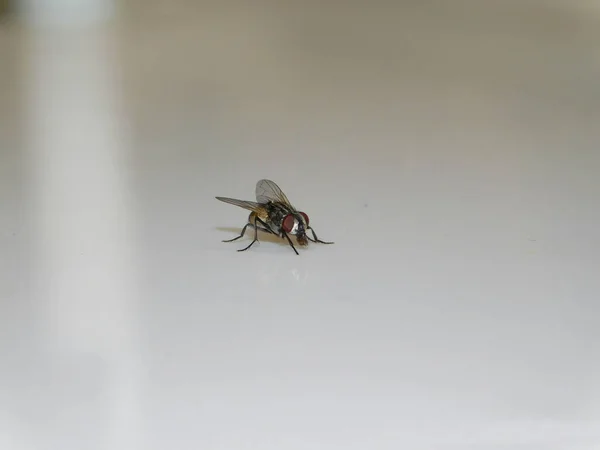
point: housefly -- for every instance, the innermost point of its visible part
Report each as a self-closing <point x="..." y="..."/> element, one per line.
<point x="273" y="213"/>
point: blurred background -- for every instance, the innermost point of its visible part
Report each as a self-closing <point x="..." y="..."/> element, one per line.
<point x="450" y="149"/>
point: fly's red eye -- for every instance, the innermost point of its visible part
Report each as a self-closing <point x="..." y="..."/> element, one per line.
<point x="305" y="218"/>
<point x="288" y="223"/>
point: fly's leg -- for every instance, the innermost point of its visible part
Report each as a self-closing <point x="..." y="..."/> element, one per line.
<point x="241" y="234"/>
<point x="255" y="236"/>
<point x="316" y="239"/>
<point x="263" y="227"/>
<point x="290" y="241"/>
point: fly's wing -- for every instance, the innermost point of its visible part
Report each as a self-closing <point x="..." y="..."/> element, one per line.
<point x="268" y="191"/>
<point x="251" y="206"/>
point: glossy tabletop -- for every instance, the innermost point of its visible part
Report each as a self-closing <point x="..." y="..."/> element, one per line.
<point x="451" y="152"/>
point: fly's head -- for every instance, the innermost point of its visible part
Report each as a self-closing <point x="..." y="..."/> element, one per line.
<point x="302" y="240"/>
<point x="296" y="224"/>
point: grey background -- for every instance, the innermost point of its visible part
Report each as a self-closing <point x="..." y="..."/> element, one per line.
<point x="449" y="149"/>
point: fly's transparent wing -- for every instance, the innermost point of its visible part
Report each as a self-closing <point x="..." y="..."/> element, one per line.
<point x="251" y="206"/>
<point x="268" y="191"/>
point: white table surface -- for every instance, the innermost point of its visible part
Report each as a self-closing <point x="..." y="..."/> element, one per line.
<point x="452" y="154"/>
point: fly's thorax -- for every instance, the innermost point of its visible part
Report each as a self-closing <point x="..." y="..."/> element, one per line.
<point x="276" y="212"/>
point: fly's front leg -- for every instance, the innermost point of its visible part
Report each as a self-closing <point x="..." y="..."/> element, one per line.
<point x="316" y="239"/>
<point x="290" y="241"/>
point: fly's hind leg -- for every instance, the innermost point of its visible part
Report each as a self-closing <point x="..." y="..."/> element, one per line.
<point x="263" y="226"/>
<point x="255" y="222"/>
<point x="252" y="222"/>
<point x="241" y="234"/>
